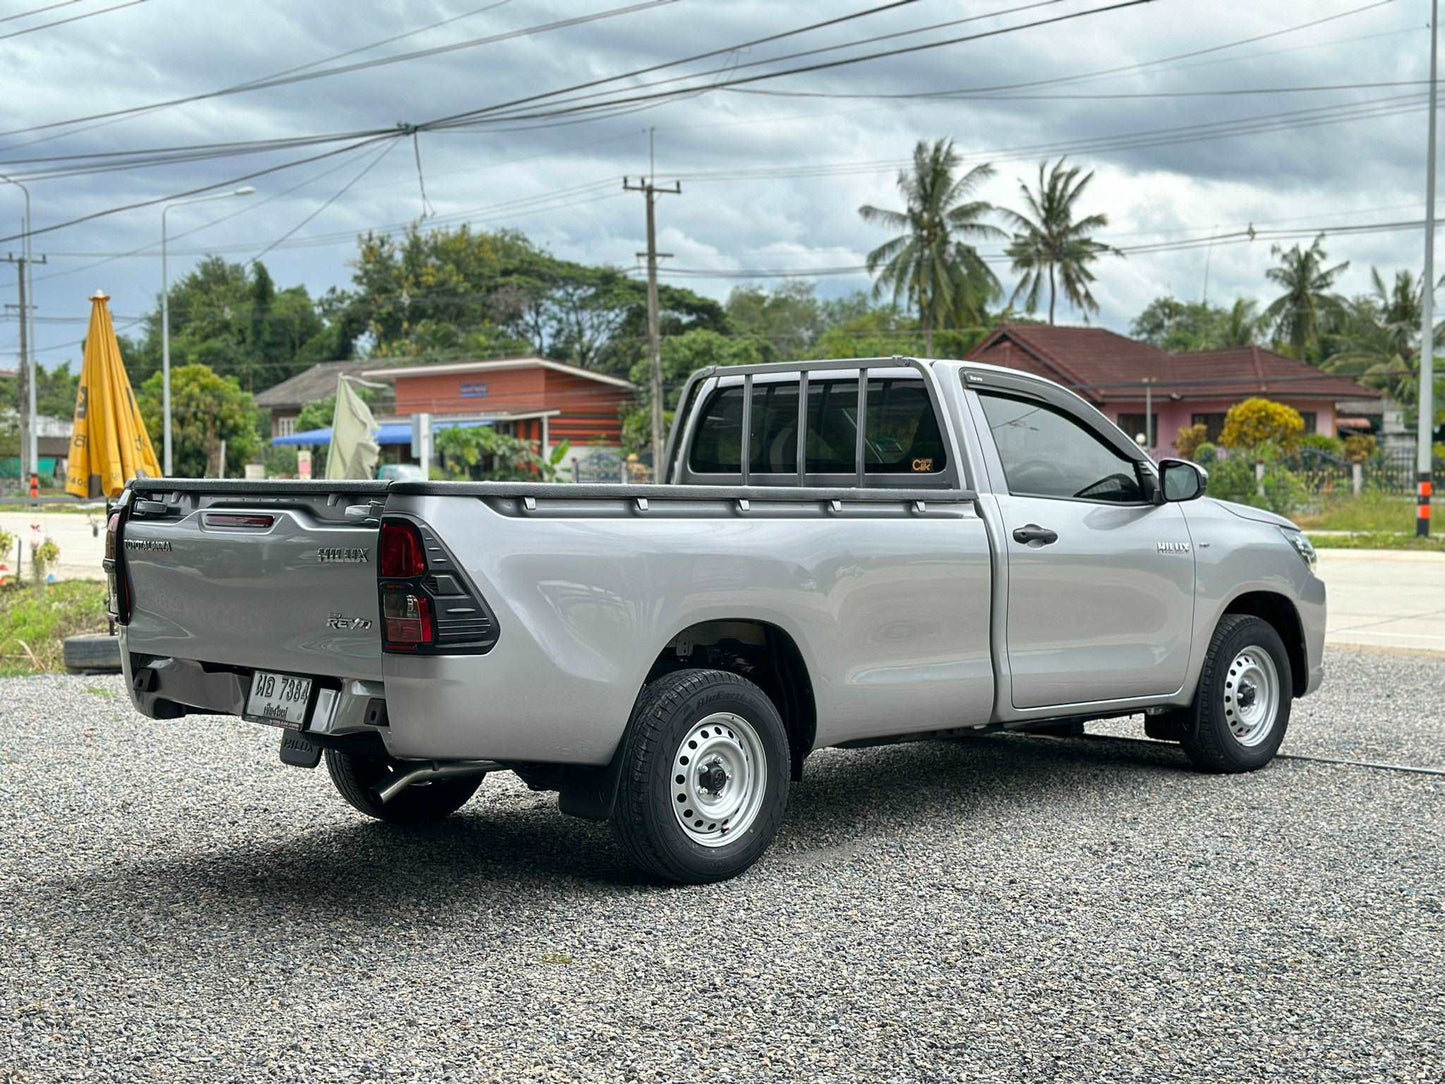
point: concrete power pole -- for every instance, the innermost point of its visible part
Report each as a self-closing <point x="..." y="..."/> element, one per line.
<point x="650" y="192"/>
<point x="1426" y="427"/>
<point x="29" y="443"/>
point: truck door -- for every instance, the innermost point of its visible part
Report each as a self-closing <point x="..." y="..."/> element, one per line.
<point x="1100" y="581"/>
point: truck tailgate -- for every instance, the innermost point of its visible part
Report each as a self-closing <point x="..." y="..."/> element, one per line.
<point x="266" y="576"/>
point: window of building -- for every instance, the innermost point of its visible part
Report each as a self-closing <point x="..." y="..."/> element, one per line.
<point x="901" y="432"/>
<point x="1136" y="425"/>
<point x="1312" y="421"/>
<point x="285" y="426"/>
<point x="1213" y="424"/>
<point x="1046" y="453"/>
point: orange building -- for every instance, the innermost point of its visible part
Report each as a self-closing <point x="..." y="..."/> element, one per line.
<point x="533" y="399"/>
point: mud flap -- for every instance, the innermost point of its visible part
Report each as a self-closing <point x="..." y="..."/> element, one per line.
<point x="299" y="751"/>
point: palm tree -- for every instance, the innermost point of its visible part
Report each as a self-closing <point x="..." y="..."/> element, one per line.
<point x="1240" y="325"/>
<point x="1306" y="306"/>
<point x="1050" y="240"/>
<point x="928" y="266"/>
<point x="1377" y="337"/>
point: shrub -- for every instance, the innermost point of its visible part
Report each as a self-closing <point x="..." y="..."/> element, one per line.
<point x="1359" y="449"/>
<point x="1256" y="422"/>
<point x="1189" y="440"/>
<point x="1319" y="442"/>
<point x="1233" y="479"/>
<point x="1206" y="454"/>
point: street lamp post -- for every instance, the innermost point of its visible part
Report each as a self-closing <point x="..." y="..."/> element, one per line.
<point x="30" y="449"/>
<point x="166" y="317"/>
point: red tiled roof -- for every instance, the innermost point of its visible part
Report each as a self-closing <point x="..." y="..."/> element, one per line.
<point x="1105" y="366"/>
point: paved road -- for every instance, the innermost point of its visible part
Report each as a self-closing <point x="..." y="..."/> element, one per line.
<point x="1385" y="598"/>
<point x="179" y="906"/>
<point x="81" y="539"/>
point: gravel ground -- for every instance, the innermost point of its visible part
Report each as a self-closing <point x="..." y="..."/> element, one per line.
<point x="177" y="905"/>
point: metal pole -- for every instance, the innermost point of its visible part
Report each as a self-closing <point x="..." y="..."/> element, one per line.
<point x="165" y="351"/>
<point x="1149" y="414"/>
<point x="1427" y="308"/>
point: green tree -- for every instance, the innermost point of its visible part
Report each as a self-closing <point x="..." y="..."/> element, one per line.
<point x="234" y="321"/>
<point x="1051" y="243"/>
<point x="682" y="355"/>
<point x="482" y="453"/>
<point x="786" y="320"/>
<point x="206" y="409"/>
<point x="459" y="292"/>
<point x="930" y="267"/>
<point x="1307" y="305"/>
<point x="1375" y="338"/>
<point x="1184" y="326"/>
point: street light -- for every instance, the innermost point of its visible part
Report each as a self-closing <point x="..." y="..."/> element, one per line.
<point x="166" y="315"/>
<point x="27" y="346"/>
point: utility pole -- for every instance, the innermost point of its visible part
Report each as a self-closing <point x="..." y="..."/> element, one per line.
<point x="1426" y="427"/>
<point x="29" y="444"/>
<point x="650" y="192"/>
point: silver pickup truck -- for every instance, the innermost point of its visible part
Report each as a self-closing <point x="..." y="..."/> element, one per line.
<point x="840" y="553"/>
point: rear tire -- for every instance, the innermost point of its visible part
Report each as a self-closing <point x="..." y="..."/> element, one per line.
<point x="704" y="779"/>
<point x="1241" y="708"/>
<point x="356" y="774"/>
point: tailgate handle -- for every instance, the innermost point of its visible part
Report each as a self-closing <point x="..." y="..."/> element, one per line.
<point x="369" y="510"/>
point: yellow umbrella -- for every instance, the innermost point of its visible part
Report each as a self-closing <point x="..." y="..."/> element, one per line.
<point x="110" y="445"/>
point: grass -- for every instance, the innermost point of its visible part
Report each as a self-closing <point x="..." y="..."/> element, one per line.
<point x="1373" y="512"/>
<point x="33" y="626"/>
<point x="1381" y="540"/>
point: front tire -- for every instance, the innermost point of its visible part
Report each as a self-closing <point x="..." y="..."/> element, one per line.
<point x="1241" y="709"/>
<point x="355" y="775"/>
<point x="704" y="779"/>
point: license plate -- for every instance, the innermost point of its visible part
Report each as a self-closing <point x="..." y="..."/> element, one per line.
<point x="279" y="699"/>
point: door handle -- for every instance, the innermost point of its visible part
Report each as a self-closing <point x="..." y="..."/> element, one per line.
<point x="1032" y="532"/>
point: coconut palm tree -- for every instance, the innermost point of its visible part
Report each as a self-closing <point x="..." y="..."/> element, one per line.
<point x="930" y="267"/>
<point x="1051" y="243"/>
<point x="1240" y="324"/>
<point x="1300" y="314"/>
<point x="1376" y="337"/>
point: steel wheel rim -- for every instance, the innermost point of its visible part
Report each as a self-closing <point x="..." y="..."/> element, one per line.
<point x="718" y="778"/>
<point x="1251" y="696"/>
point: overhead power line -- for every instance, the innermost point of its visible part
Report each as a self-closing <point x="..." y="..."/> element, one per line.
<point x="300" y="75"/>
<point x="72" y="19"/>
<point x="37" y="11"/>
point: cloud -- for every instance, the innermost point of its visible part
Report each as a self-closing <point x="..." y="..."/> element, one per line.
<point x="1159" y="188"/>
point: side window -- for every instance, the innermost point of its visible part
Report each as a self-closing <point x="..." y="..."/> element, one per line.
<point x="901" y="431"/>
<point x="1046" y="453"/>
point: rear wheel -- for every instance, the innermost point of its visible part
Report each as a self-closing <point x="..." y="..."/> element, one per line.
<point x="1241" y="709"/>
<point x="704" y="777"/>
<point x="356" y="774"/>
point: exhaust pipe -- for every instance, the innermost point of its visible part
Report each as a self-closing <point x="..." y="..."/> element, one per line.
<point x="425" y="771"/>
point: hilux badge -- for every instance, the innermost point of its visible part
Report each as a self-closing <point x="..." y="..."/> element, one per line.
<point x="1173" y="547"/>
<point x="343" y="555"/>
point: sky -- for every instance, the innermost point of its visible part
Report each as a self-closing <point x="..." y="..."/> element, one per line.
<point x="1198" y="118"/>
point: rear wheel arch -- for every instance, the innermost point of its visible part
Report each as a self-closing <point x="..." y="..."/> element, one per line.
<point x="765" y="654"/>
<point x="1279" y="612"/>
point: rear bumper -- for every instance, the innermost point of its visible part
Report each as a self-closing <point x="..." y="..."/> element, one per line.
<point x="163" y="687"/>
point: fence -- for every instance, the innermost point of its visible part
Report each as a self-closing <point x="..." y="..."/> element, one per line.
<point x="1392" y="471"/>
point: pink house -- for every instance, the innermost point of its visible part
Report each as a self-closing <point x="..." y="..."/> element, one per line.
<point x="1120" y="376"/>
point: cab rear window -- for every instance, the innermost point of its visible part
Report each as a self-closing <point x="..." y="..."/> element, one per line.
<point x="900" y="430"/>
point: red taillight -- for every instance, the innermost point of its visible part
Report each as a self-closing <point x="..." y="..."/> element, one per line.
<point x="402" y="554"/>
<point x="406" y="617"/>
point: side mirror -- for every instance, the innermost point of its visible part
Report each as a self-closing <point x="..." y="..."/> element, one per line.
<point x="1181" y="480"/>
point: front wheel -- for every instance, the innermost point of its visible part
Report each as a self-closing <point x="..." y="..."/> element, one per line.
<point x="704" y="778"/>
<point x="1241" y="709"/>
